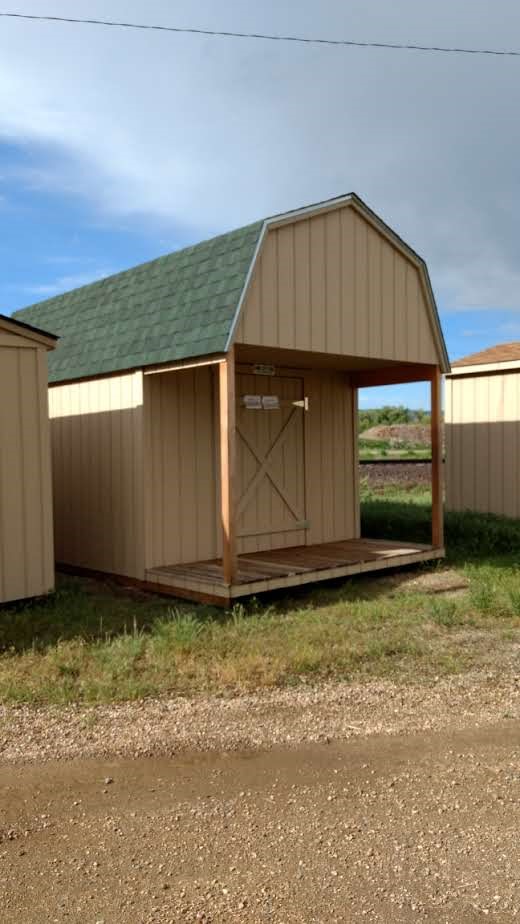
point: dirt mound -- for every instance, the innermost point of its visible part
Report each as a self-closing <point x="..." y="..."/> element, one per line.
<point x="399" y="433"/>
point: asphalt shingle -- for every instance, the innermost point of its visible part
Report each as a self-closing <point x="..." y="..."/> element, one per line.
<point x="176" y="307"/>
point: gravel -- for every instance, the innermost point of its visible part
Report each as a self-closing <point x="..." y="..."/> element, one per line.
<point x="290" y="717"/>
<point x="316" y="805"/>
<point x="388" y="829"/>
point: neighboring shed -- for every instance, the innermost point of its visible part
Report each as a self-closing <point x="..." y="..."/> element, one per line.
<point x="26" y="540"/>
<point x="204" y="405"/>
<point x="483" y="432"/>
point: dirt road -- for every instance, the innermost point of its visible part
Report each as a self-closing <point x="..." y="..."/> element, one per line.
<point x="384" y="829"/>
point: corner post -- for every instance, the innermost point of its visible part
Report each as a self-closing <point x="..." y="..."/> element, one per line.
<point x="437" y="466"/>
<point x="227" y="465"/>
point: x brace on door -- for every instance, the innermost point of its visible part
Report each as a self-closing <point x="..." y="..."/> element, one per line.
<point x="265" y="470"/>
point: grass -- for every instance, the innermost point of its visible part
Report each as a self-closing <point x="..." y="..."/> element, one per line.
<point x="94" y="643"/>
<point x="390" y="449"/>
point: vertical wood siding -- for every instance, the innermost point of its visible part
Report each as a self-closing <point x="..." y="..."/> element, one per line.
<point x="270" y="511"/>
<point x="182" y="470"/>
<point x="97" y="451"/>
<point x="181" y="467"/>
<point x="324" y="455"/>
<point x="331" y="471"/>
<point x="26" y="542"/>
<point x="333" y="284"/>
<point x="483" y="443"/>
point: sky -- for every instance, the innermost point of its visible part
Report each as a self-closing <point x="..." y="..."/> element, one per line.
<point x="119" y="146"/>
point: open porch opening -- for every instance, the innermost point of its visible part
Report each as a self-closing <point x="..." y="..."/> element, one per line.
<point x="275" y="496"/>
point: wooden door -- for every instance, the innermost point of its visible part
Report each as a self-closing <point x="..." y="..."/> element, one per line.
<point x="270" y="463"/>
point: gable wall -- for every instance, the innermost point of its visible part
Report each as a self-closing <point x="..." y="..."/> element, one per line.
<point x="333" y="283"/>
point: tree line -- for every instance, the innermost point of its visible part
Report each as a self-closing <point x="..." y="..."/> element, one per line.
<point x="389" y="414"/>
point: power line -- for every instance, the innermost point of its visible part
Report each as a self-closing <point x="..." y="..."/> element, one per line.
<point x="266" y="37"/>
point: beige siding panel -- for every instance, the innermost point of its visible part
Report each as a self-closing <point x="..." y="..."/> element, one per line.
<point x="333" y="283"/>
<point x="271" y="502"/>
<point x="180" y="476"/>
<point x="483" y="443"/>
<point x="97" y="437"/>
<point x="348" y="279"/>
<point x="302" y="287"/>
<point x="388" y="298"/>
<point x="26" y="545"/>
<point x="331" y="469"/>
<point x="315" y="464"/>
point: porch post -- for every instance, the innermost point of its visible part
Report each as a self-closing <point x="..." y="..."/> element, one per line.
<point x="227" y="465"/>
<point x="437" y="466"/>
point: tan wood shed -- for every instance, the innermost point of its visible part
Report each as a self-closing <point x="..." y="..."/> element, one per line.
<point x="483" y="432"/>
<point x="204" y="405"/>
<point x="26" y="535"/>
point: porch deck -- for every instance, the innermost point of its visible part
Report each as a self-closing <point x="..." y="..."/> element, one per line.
<point x="290" y="567"/>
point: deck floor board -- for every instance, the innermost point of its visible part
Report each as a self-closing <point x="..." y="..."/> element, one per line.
<point x="298" y="560"/>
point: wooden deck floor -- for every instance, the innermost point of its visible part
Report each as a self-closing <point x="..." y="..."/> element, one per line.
<point x="262" y="571"/>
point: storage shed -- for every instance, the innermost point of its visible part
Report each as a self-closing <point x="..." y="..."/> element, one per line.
<point x="26" y="536"/>
<point x="204" y="405"/>
<point x="483" y="432"/>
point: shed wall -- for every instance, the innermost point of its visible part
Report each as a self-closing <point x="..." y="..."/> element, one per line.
<point x="331" y="469"/>
<point x="334" y="283"/>
<point x="26" y="543"/>
<point x="181" y="467"/>
<point x="483" y="443"/>
<point x="97" y="451"/>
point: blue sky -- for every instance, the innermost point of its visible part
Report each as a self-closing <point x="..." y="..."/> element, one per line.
<point x="115" y="148"/>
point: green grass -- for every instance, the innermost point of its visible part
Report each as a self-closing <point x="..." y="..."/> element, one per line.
<point x="390" y="449"/>
<point x="91" y="642"/>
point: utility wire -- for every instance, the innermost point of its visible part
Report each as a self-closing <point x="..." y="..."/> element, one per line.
<point x="265" y="37"/>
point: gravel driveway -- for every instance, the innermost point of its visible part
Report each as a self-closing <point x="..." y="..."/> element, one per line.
<point x="341" y="803"/>
<point x="384" y="828"/>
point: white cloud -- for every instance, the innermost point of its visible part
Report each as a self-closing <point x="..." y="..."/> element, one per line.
<point x="210" y="133"/>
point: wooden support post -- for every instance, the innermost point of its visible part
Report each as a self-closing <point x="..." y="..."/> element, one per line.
<point x="227" y="465"/>
<point x="437" y="465"/>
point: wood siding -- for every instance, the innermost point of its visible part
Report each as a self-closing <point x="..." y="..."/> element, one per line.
<point x="333" y="283"/>
<point x="329" y="501"/>
<point x="182" y="467"/>
<point x="270" y="465"/>
<point x="98" y="473"/>
<point x="182" y="471"/>
<point x="483" y="443"/>
<point x="26" y="542"/>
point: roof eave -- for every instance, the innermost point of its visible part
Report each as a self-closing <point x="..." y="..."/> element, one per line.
<point x="20" y="328"/>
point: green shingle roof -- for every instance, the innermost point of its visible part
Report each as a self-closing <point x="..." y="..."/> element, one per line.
<point x="179" y="306"/>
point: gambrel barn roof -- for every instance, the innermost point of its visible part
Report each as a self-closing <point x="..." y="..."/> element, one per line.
<point x="182" y="305"/>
